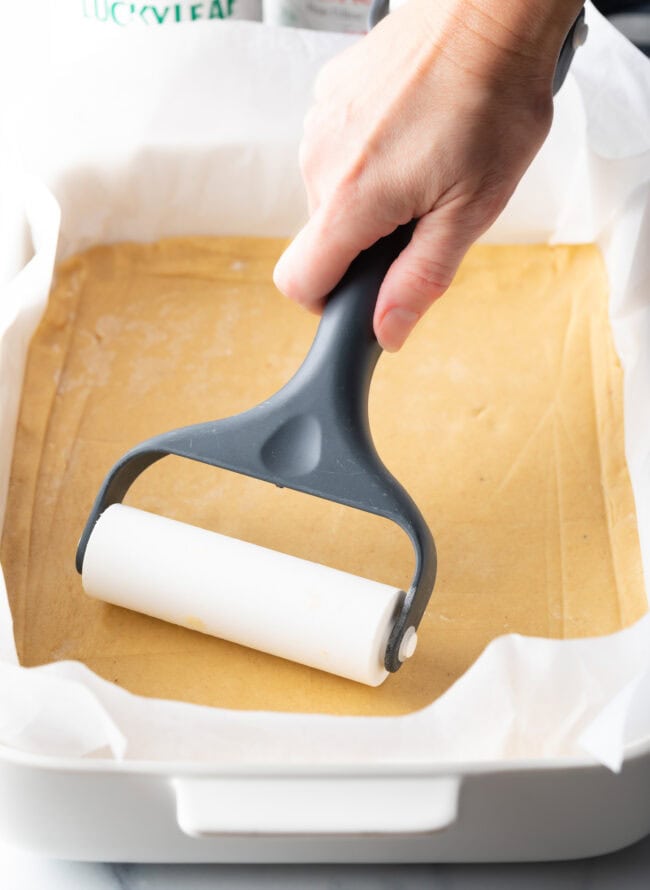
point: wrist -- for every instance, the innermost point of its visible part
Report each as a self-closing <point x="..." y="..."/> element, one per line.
<point x="504" y="43"/>
<point x="533" y="25"/>
<point x="523" y="37"/>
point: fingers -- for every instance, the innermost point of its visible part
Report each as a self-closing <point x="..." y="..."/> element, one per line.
<point x="319" y="255"/>
<point x="421" y="273"/>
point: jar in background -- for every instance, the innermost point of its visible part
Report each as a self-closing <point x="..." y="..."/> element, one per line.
<point x="320" y="15"/>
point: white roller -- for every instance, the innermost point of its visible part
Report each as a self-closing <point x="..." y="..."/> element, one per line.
<point x="240" y="592"/>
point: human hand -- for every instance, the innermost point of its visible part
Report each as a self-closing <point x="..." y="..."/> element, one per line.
<point x="435" y="115"/>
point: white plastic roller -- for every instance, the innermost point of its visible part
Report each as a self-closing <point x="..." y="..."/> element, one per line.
<point x="299" y="610"/>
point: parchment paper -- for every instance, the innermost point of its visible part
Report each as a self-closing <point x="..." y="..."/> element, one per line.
<point x="195" y="130"/>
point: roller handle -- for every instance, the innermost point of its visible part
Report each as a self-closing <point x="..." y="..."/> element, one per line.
<point x="345" y="350"/>
<point x="574" y="39"/>
<point x="349" y="311"/>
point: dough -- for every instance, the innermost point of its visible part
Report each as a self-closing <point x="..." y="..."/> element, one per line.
<point x="502" y="416"/>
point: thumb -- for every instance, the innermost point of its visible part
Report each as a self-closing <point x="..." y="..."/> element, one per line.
<point x="420" y="274"/>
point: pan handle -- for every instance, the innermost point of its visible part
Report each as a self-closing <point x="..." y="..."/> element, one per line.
<point x="316" y="803"/>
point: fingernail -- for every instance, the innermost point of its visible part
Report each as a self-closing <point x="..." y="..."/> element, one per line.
<point x="395" y="327"/>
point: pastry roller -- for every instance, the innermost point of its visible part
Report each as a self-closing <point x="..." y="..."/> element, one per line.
<point x="313" y="436"/>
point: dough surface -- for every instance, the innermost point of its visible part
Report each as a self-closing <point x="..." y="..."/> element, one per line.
<point x="502" y="417"/>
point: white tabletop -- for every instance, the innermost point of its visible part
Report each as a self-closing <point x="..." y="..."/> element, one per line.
<point x="627" y="870"/>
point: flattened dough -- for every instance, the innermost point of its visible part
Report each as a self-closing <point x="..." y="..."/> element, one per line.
<point x="502" y="416"/>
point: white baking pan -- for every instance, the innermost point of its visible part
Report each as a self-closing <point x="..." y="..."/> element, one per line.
<point x="139" y="153"/>
<point x="184" y="812"/>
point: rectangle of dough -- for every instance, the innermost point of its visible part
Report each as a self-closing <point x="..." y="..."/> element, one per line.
<point x="502" y="416"/>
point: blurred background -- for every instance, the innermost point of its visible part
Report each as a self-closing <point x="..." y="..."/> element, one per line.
<point x="631" y="18"/>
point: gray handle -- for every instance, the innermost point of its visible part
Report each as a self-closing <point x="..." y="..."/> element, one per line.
<point x="345" y="342"/>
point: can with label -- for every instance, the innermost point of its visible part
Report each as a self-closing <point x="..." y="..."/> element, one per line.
<point x="154" y="13"/>
<point x="320" y="15"/>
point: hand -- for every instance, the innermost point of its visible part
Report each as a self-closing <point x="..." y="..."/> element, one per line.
<point x="435" y="115"/>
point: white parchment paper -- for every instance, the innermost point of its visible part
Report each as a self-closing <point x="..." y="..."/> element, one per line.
<point x="195" y="130"/>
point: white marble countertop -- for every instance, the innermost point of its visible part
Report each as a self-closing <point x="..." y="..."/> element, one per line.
<point x="627" y="870"/>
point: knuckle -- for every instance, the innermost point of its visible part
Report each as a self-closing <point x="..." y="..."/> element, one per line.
<point x="472" y="216"/>
<point x="481" y="213"/>
<point x="349" y="185"/>
<point x="426" y="281"/>
<point x="352" y="197"/>
<point x="364" y="181"/>
<point x="348" y="190"/>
